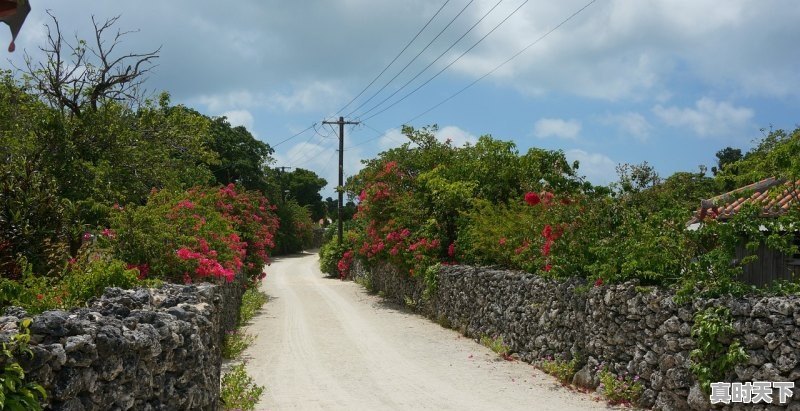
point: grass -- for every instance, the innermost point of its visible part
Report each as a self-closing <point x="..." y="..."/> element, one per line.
<point x="252" y="301"/>
<point x="561" y="369"/>
<point x="235" y="343"/>
<point x="496" y="344"/>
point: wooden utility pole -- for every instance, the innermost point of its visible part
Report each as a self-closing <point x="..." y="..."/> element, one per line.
<point x="340" y="189"/>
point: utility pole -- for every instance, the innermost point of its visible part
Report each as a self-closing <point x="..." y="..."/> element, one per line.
<point x="281" y="172"/>
<point x="340" y="189"/>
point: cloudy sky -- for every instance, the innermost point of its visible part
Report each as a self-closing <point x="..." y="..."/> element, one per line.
<point x="668" y="82"/>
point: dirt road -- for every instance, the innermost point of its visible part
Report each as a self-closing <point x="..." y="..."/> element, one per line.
<point x="326" y="344"/>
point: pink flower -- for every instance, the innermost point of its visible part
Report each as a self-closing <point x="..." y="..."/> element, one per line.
<point x="547" y="197"/>
<point x="451" y="250"/>
<point x="87" y="236"/>
<point x="108" y="233"/>
<point x="502" y="241"/>
<point x="532" y="198"/>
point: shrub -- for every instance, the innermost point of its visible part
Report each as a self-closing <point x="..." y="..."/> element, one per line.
<point x="620" y="389"/>
<point x="561" y="369"/>
<point x="713" y="359"/>
<point x="197" y="234"/>
<point x="252" y="301"/>
<point x="16" y="392"/>
<point x="496" y="344"/>
<point x="235" y="343"/>
<point x="239" y="391"/>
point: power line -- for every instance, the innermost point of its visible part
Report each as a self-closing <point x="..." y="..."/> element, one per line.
<point x="498" y="67"/>
<point x="434" y="60"/>
<point x="306" y="154"/>
<point x="395" y="58"/>
<point x="412" y="60"/>
<point x="452" y="62"/>
<point x="294" y="136"/>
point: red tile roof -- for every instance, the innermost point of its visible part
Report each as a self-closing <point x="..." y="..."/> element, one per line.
<point x="723" y="207"/>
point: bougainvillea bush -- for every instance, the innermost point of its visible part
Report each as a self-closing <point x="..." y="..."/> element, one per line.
<point x="195" y="235"/>
<point x="430" y="202"/>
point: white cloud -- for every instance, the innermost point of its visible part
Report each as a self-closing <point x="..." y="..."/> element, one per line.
<point x="630" y="123"/>
<point x="708" y="117"/>
<point x="598" y="168"/>
<point x="233" y="100"/>
<point x="457" y="136"/>
<point x="556" y="127"/>
<point x="391" y="138"/>
<point x="315" y="95"/>
<point x="240" y="118"/>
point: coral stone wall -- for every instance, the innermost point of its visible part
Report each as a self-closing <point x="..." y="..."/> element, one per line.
<point x="639" y="331"/>
<point x="144" y="349"/>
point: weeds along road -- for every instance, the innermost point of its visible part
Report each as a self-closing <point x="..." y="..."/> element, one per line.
<point x="326" y="344"/>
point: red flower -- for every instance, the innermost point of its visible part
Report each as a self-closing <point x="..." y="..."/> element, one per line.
<point x="547" y="232"/>
<point x="502" y="241"/>
<point x="546" y="248"/>
<point x="451" y="250"/>
<point x="598" y="282"/>
<point x="39" y="296"/>
<point x="548" y="267"/>
<point x="532" y="198"/>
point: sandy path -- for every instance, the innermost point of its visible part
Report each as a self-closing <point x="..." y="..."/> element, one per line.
<point x="327" y="344"/>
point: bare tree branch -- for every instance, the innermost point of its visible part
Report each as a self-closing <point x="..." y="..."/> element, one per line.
<point x="76" y="77"/>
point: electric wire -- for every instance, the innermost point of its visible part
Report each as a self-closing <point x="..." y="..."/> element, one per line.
<point x="294" y="136"/>
<point x="410" y="62"/>
<point x="395" y="58"/>
<point x="452" y="62"/>
<point x="498" y="67"/>
<point x="435" y="60"/>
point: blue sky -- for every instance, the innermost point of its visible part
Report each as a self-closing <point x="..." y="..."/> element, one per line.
<point x="667" y="82"/>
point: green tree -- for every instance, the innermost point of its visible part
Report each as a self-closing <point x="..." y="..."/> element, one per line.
<point x="727" y="155"/>
<point x="242" y="158"/>
<point x="304" y="187"/>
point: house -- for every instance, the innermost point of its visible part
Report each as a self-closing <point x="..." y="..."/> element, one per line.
<point x="771" y="264"/>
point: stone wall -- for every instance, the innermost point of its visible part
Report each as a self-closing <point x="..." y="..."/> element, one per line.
<point x="144" y="349"/>
<point x="631" y="329"/>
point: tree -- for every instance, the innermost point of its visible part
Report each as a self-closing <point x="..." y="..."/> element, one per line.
<point x="727" y="155"/>
<point x="636" y="177"/>
<point x="304" y="186"/>
<point x="76" y="76"/>
<point x="242" y="158"/>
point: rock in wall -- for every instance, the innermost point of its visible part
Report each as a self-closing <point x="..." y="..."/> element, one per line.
<point x="143" y="349"/>
<point x="640" y="331"/>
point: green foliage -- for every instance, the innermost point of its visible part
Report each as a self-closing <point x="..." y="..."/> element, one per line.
<point x="496" y="344"/>
<point x="16" y="392"/>
<point x="431" y="279"/>
<point x="33" y="219"/>
<point x="252" y="301"/>
<point x="83" y="278"/>
<point x="242" y="158"/>
<point x="239" y="391"/>
<point x="559" y="368"/>
<point x="776" y="155"/>
<point x="717" y="353"/>
<point x="329" y="256"/>
<point x="235" y="343"/>
<point x="296" y="231"/>
<point x="303" y="186"/>
<point x="620" y="389"/>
